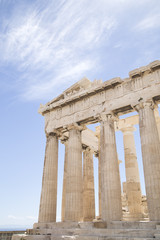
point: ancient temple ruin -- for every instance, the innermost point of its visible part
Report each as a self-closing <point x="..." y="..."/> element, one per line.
<point x="66" y="118"/>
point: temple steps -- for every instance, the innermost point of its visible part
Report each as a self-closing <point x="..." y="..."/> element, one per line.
<point x="72" y="237"/>
<point x="44" y="237"/>
<point x="99" y="224"/>
<point x="116" y="230"/>
<point x="138" y="233"/>
<point x="100" y="238"/>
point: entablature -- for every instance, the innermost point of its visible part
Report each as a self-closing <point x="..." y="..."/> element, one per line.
<point x="83" y="102"/>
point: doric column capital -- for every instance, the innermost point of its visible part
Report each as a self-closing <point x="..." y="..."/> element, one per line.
<point x="128" y="130"/>
<point x="63" y="139"/>
<point x="55" y="132"/>
<point x="143" y="104"/>
<point x="84" y="147"/>
<point x="107" y="117"/>
<point x="87" y="149"/>
<point x="75" y="126"/>
<point x="96" y="154"/>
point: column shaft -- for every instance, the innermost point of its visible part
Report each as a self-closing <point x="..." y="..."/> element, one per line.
<point x="73" y="201"/>
<point x="158" y="126"/>
<point x="133" y="188"/>
<point x="150" y="145"/>
<point x="100" y="148"/>
<point x="99" y="190"/>
<point x="131" y="164"/>
<point x="64" y="182"/>
<point x="88" y="186"/>
<point x="110" y="178"/>
<point x="157" y="121"/>
<point x="98" y="155"/>
<point x="48" y="202"/>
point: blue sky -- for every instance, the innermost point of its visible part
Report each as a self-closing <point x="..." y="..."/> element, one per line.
<point x="46" y="46"/>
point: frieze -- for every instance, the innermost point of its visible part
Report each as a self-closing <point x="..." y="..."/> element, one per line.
<point x="116" y="95"/>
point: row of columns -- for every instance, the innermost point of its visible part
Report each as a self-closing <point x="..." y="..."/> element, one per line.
<point x="87" y="212"/>
<point x="78" y="196"/>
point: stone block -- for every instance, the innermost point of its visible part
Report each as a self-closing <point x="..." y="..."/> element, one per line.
<point x="100" y="224"/>
<point x="157" y="235"/>
<point x="18" y="236"/>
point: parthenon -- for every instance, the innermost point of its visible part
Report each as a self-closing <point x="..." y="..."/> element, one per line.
<point x="66" y="120"/>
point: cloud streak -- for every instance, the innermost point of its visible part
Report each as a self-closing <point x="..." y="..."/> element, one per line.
<point x="50" y="45"/>
<point x="149" y="22"/>
<point x="19" y="219"/>
<point x="14" y="217"/>
<point x="55" y="45"/>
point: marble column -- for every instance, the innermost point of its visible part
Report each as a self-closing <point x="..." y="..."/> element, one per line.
<point x="88" y="186"/>
<point x="158" y="126"/>
<point x="150" y="145"/>
<point x="99" y="182"/>
<point x="64" y="181"/>
<point x="48" y="202"/>
<point x="133" y="188"/>
<point x="157" y="120"/>
<point x="97" y="134"/>
<point x="74" y="184"/>
<point x="110" y="178"/>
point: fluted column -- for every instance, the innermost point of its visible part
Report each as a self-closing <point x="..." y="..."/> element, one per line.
<point x="64" y="181"/>
<point x="110" y="179"/>
<point x="48" y="202"/>
<point x="99" y="169"/>
<point x="133" y="188"/>
<point x="74" y="184"/>
<point x="99" y="182"/>
<point x="158" y="126"/>
<point x="150" y="145"/>
<point x="157" y="120"/>
<point x="88" y="186"/>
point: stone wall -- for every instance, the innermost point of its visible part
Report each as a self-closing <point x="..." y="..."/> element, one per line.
<point x="7" y="235"/>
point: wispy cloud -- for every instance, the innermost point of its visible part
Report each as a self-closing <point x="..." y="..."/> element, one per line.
<point x="49" y="45"/>
<point x="31" y="218"/>
<point x="15" y="217"/>
<point x="54" y="45"/>
<point x="19" y="219"/>
<point x="12" y="217"/>
<point x="149" y="22"/>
